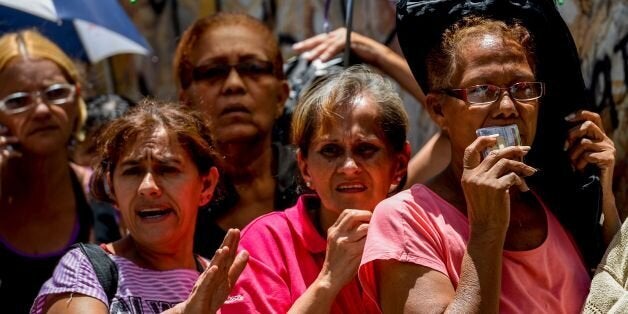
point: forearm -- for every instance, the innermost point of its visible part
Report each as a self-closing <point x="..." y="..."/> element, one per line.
<point x="430" y="160"/>
<point x="611" y="221"/>
<point x="317" y="298"/>
<point x="397" y="68"/>
<point x="480" y="280"/>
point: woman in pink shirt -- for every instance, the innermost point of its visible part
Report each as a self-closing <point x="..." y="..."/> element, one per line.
<point x="350" y="129"/>
<point x="476" y="239"/>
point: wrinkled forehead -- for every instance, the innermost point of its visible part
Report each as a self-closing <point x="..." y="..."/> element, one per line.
<point x="490" y="47"/>
<point x="361" y="113"/>
<point x="232" y="43"/>
<point x="157" y="143"/>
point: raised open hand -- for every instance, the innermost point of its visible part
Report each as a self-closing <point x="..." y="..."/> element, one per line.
<point x="215" y="283"/>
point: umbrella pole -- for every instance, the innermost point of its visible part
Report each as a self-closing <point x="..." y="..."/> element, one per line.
<point x="110" y="81"/>
<point x="349" y="27"/>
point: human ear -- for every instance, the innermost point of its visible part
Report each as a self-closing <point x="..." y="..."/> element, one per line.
<point x="305" y="172"/>
<point x="209" y="185"/>
<point x="434" y="106"/>
<point x="401" y="167"/>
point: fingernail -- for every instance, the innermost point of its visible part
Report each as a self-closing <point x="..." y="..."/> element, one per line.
<point x="570" y="117"/>
<point x="526" y="148"/>
<point x="307" y="55"/>
<point x="297" y="45"/>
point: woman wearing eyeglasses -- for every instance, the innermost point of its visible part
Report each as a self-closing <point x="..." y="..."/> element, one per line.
<point x="42" y="204"/>
<point x="477" y="239"/>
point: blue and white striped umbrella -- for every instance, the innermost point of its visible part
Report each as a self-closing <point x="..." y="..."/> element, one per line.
<point x="90" y="30"/>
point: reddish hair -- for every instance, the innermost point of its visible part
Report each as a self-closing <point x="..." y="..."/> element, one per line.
<point x="182" y="65"/>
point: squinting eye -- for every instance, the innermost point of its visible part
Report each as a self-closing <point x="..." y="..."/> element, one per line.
<point x="167" y="170"/>
<point x="366" y="150"/>
<point x="58" y="93"/>
<point x="18" y="100"/>
<point x="132" y="171"/>
<point x="330" y="151"/>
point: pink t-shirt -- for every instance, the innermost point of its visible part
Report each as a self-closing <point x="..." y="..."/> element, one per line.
<point x="286" y="256"/>
<point x="417" y="226"/>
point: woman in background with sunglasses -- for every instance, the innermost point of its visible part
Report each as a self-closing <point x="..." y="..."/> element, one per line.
<point x="229" y="67"/>
<point x="42" y="203"/>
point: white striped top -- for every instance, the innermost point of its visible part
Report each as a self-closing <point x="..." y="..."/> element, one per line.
<point x="140" y="290"/>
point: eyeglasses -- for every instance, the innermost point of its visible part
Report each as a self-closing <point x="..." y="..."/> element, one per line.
<point x="56" y="94"/>
<point x="249" y="68"/>
<point x="487" y="94"/>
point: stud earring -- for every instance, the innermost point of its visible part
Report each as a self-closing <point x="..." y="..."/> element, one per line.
<point x="308" y="184"/>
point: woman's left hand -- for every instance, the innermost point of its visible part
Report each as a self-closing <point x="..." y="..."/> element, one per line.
<point x="588" y="144"/>
<point x="215" y="283"/>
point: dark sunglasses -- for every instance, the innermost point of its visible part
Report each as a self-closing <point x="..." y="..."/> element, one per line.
<point x="249" y="68"/>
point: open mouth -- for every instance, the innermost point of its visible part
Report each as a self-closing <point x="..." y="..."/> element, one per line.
<point x="153" y="213"/>
<point x="351" y="188"/>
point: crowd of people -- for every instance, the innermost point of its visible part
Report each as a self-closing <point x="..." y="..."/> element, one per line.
<point x="196" y="208"/>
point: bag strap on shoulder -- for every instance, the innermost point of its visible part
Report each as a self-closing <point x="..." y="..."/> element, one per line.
<point x="106" y="270"/>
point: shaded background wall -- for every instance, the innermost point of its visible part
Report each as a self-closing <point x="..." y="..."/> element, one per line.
<point x="599" y="27"/>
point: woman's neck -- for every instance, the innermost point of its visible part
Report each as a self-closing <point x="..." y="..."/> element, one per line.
<point x="244" y="162"/>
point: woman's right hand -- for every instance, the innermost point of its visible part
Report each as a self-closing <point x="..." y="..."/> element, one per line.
<point x="345" y="243"/>
<point x="215" y="283"/>
<point x="327" y="45"/>
<point x="7" y="148"/>
<point x="486" y="183"/>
